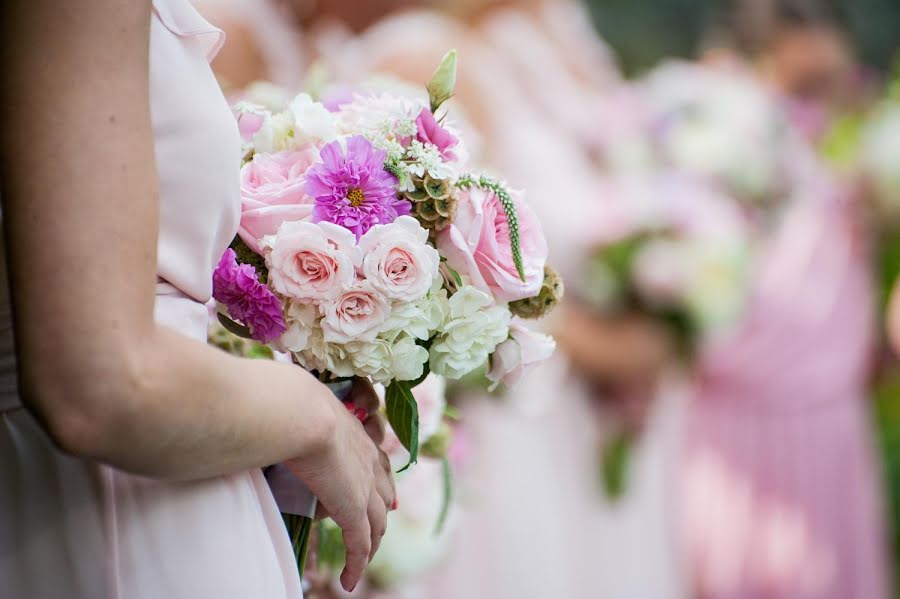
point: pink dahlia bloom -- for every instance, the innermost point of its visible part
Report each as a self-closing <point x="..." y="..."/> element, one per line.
<point x="352" y="189"/>
<point x="247" y="300"/>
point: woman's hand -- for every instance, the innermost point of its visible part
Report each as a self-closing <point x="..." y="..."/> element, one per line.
<point x="352" y="479"/>
<point x="628" y="350"/>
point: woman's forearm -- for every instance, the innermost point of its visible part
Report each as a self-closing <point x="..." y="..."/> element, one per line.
<point x="170" y="407"/>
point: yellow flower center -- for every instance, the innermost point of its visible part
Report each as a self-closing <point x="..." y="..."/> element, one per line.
<point x="355" y="197"/>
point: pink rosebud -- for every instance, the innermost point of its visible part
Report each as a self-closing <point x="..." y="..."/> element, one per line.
<point x="518" y="355"/>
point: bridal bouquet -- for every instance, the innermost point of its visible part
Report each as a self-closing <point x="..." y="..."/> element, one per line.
<point x="368" y="249"/>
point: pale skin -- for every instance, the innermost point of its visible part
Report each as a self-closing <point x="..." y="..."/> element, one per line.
<point x="80" y="215"/>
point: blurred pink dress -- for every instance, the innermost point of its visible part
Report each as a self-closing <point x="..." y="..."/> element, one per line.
<point x="77" y="529"/>
<point x="779" y="486"/>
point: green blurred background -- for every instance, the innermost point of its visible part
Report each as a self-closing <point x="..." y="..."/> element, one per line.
<point x="643" y="31"/>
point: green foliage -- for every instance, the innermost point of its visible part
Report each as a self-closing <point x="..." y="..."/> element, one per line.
<point x="446" y="497"/>
<point x="615" y="463"/>
<point x="247" y="256"/>
<point x="443" y="81"/>
<point x="403" y="416"/>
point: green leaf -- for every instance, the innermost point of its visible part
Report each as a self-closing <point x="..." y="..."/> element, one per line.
<point x="447" y="496"/>
<point x="403" y="416"/>
<point x="234" y="328"/>
<point x="615" y="464"/>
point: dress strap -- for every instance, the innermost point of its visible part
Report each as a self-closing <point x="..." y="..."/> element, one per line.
<point x="182" y="19"/>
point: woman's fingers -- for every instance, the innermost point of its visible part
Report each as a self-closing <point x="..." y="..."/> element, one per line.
<point x="363" y="395"/>
<point x="374" y="426"/>
<point x="384" y="481"/>
<point x="358" y="541"/>
<point x="377" y="521"/>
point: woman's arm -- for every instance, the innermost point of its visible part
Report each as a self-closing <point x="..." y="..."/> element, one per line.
<point x="80" y="212"/>
<point x="81" y="217"/>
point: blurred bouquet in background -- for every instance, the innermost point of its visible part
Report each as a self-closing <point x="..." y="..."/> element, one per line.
<point x="367" y="249"/>
<point x="879" y="152"/>
<point x="672" y="249"/>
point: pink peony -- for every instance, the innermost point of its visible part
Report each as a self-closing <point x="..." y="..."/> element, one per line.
<point x="272" y="192"/>
<point x="246" y="299"/>
<point x="518" y="355"/>
<point x="398" y="261"/>
<point x="478" y="245"/>
<point x="357" y="315"/>
<point x="311" y="262"/>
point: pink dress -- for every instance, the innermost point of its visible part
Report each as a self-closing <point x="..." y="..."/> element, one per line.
<point x="81" y="530"/>
<point x="779" y="486"/>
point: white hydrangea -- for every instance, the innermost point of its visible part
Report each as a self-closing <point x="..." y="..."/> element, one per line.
<point x="276" y="133"/>
<point x="419" y="319"/>
<point x="312" y="121"/>
<point x="408" y="359"/>
<point x="373" y="359"/>
<point x="474" y="329"/>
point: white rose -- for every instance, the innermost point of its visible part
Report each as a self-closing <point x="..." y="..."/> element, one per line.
<point x="475" y="328"/>
<point x="518" y="355"/>
<point x="357" y="315"/>
<point x="408" y="359"/>
<point x="398" y="260"/>
<point x="312" y="121"/>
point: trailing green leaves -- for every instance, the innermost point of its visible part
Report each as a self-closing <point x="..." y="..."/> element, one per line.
<point x="403" y="416"/>
<point x="446" y="497"/>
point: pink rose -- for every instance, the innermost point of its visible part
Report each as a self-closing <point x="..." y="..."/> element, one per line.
<point x="477" y="245"/>
<point x="357" y="315"/>
<point x="518" y="355"/>
<point x="273" y="191"/>
<point x="398" y="261"/>
<point x="311" y="262"/>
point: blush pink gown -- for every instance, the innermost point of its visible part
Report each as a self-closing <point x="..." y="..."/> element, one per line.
<point x="76" y="529"/>
<point x="779" y="485"/>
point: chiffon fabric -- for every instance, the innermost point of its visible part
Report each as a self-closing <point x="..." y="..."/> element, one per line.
<point x="779" y="487"/>
<point x="75" y="529"/>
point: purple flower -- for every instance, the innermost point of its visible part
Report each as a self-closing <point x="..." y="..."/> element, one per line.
<point x="248" y="301"/>
<point x="431" y="132"/>
<point x="353" y="190"/>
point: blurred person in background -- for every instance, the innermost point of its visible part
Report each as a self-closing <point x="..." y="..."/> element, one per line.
<point x="779" y="490"/>
<point x="802" y="48"/>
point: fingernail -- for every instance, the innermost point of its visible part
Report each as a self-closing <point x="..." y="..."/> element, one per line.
<point x="395" y="504"/>
<point x="361" y="414"/>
